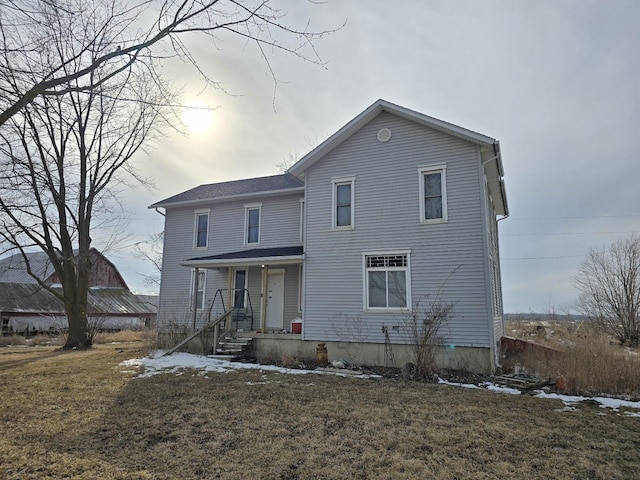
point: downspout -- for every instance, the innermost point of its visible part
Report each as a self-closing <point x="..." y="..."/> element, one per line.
<point x="495" y="159"/>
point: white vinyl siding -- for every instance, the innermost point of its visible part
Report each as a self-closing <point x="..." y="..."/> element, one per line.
<point x="279" y="227"/>
<point x="201" y="229"/>
<point x="447" y="259"/>
<point x="433" y="194"/>
<point x="343" y="195"/>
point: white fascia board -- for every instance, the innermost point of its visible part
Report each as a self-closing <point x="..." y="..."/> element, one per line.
<point x="369" y="114"/>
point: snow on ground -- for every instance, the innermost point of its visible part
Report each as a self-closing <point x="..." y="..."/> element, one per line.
<point x="178" y="363"/>
<point x="569" y="400"/>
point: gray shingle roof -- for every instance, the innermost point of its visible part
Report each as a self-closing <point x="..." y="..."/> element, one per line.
<point x="234" y="188"/>
<point x="256" y="253"/>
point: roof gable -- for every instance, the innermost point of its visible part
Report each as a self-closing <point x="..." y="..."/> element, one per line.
<point x="490" y="147"/>
<point x="13" y="269"/>
<point x="233" y="189"/>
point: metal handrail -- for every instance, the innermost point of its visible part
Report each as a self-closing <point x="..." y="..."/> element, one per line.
<point x="215" y="323"/>
<point x="248" y="307"/>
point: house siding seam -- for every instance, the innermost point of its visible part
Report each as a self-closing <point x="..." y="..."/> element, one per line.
<point x="387" y="208"/>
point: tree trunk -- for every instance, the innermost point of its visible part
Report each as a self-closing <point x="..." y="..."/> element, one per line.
<point x="78" y="334"/>
<point x="76" y="287"/>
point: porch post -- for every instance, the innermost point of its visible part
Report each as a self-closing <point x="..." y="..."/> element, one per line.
<point x="263" y="298"/>
<point x="194" y="300"/>
<point x="230" y="292"/>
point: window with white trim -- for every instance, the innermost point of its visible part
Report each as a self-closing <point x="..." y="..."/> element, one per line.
<point x="433" y="194"/>
<point x="252" y="214"/>
<point x="200" y="288"/>
<point x="201" y="235"/>
<point x="342" y="217"/>
<point x="239" y="292"/>
<point x="387" y="281"/>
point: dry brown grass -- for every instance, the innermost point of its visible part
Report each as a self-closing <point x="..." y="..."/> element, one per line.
<point x="590" y="364"/>
<point x="13" y="340"/>
<point x="77" y="415"/>
<point x="124" y="336"/>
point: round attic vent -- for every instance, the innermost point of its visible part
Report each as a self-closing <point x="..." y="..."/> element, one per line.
<point x="384" y="135"/>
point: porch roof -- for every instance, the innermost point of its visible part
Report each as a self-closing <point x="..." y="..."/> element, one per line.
<point x="254" y="256"/>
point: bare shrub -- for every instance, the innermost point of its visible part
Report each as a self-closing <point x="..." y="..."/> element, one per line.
<point x="14" y="340"/>
<point x="276" y="356"/>
<point x="352" y="331"/>
<point x="423" y="326"/>
<point x="125" y="336"/>
<point x="591" y="365"/>
<point x="173" y="334"/>
<point x="39" y="340"/>
<point x="609" y="285"/>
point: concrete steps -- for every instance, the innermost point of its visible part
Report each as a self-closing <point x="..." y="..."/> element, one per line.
<point x="234" y="348"/>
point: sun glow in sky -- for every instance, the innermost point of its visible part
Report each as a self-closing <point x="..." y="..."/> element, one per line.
<point x="560" y="95"/>
<point x="197" y="117"/>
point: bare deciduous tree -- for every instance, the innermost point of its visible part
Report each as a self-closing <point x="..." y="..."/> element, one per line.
<point x="609" y="285"/>
<point x="80" y="93"/>
<point x="63" y="159"/>
<point x="150" y="250"/>
<point x="140" y="33"/>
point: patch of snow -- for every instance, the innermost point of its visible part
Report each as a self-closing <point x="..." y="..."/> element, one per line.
<point x="484" y="386"/>
<point x="453" y="384"/>
<point x="566" y="408"/>
<point x="605" y="402"/>
<point x="177" y="363"/>
<point x="500" y="388"/>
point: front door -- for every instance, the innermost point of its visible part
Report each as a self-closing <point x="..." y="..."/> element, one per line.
<point x="275" y="301"/>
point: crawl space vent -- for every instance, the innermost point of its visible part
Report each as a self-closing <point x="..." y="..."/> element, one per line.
<point x="384" y="135"/>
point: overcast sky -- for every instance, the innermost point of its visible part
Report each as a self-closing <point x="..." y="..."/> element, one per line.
<point x="555" y="81"/>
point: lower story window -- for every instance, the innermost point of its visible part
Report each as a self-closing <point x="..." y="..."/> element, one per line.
<point x="239" y="291"/>
<point x="387" y="281"/>
<point x="200" y="288"/>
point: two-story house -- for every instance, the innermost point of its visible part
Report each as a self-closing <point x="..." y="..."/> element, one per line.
<point x="395" y="211"/>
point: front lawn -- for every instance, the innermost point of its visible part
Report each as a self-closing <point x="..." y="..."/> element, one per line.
<point x="83" y="415"/>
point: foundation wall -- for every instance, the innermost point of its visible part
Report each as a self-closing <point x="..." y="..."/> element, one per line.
<point x="478" y="360"/>
<point x="270" y="346"/>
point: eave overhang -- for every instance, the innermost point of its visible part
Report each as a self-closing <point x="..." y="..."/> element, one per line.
<point x="254" y="257"/>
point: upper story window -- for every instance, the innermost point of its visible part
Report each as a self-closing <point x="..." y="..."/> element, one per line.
<point x="433" y="194"/>
<point x="343" y="199"/>
<point x="201" y="229"/>
<point x="387" y="281"/>
<point x="252" y="214"/>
